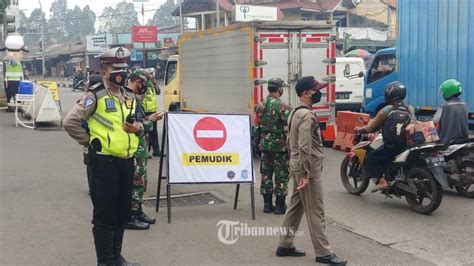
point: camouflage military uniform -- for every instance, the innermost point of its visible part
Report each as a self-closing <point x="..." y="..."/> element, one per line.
<point x="140" y="177"/>
<point x="272" y="115"/>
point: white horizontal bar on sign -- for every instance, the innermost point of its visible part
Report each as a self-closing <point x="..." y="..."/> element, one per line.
<point x="210" y="134"/>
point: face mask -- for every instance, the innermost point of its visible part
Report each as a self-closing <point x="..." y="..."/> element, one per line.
<point x="316" y="98"/>
<point x="118" y="77"/>
<point x="142" y="89"/>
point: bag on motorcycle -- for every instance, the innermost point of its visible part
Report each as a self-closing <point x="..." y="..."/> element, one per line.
<point x="393" y="130"/>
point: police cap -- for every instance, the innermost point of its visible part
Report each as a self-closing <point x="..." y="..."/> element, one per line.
<point x="117" y="57"/>
<point x="308" y="83"/>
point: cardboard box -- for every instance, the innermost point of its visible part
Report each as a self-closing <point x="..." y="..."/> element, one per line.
<point x="427" y="129"/>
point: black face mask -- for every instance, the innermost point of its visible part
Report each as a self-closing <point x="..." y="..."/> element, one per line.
<point x="142" y="90"/>
<point x="316" y="98"/>
<point x="118" y="77"/>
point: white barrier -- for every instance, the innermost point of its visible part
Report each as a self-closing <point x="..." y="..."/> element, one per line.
<point x="43" y="108"/>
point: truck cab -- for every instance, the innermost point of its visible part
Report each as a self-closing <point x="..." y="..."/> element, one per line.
<point x="172" y="81"/>
<point x="381" y="72"/>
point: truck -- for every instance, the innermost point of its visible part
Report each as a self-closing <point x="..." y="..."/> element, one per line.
<point x="225" y="70"/>
<point x="435" y="42"/>
<point x="349" y="91"/>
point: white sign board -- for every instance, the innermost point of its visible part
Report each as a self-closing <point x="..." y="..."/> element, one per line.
<point x="209" y="148"/>
<point x="245" y="13"/>
<point x="96" y="42"/>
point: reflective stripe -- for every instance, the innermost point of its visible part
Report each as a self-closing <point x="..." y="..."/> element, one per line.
<point x="14" y="74"/>
<point x="105" y="120"/>
<point x="96" y="118"/>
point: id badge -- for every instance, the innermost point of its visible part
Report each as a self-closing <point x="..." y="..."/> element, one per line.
<point x="110" y="105"/>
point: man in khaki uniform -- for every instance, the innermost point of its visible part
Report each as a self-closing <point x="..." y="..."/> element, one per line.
<point x="306" y="166"/>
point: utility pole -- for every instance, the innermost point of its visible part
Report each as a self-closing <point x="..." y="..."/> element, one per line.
<point x="218" y="17"/>
<point x="43" y="65"/>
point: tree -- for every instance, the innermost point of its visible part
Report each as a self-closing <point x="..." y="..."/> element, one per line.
<point x="79" y="23"/>
<point x="163" y="17"/>
<point x="31" y="27"/>
<point x="57" y="22"/>
<point x="119" y="19"/>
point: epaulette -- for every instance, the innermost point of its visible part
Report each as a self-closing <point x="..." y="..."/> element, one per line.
<point x="96" y="87"/>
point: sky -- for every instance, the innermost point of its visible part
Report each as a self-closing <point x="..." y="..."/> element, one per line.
<point x="96" y="5"/>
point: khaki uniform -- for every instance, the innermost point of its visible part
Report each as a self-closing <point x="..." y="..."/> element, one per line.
<point x="306" y="161"/>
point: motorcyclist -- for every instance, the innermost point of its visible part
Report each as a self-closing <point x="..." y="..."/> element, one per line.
<point x="78" y="76"/>
<point x="377" y="160"/>
<point x="452" y="118"/>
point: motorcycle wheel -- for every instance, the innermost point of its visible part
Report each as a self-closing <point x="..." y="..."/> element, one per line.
<point x="467" y="168"/>
<point x="429" y="191"/>
<point x="352" y="177"/>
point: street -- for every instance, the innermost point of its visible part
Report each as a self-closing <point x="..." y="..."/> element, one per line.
<point x="45" y="215"/>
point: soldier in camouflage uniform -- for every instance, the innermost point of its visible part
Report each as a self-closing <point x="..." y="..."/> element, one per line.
<point x="139" y="220"/>
<point x="272" y="115"/>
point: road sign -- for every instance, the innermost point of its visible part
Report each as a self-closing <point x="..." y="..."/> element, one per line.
<point x="209" y="148"/>
<point x="145" y="34"/>
<point x="210" y="134"/>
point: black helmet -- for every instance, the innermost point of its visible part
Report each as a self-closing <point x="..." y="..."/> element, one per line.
<point x="395" y="91"/>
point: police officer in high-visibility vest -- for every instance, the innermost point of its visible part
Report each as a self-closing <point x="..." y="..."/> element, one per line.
<point x="13" y="76"/>
<point x="150" y="107"/>
<point x="108" y="109"/>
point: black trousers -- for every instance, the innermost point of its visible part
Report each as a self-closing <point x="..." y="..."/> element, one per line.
<point x="111" y="190"/>
<point x="153" y="137"/>
<point x="12" y="89"/>
<point x="377" y="160"/>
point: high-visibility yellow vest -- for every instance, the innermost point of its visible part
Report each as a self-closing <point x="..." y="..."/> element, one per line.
<point x="14" y="72"/>
<point x="106" y="124"/>
<point x="149" y="100"/>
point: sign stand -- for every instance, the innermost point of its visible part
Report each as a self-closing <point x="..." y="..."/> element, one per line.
<point x="165" y="147"/>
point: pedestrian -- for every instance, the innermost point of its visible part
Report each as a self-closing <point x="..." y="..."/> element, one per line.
<point x="150" y="106"/>
<point x="306" y="166"/>
<point x="112" y="142"/>
<point x="272" y="115"/>
<point x="139" y="220"/>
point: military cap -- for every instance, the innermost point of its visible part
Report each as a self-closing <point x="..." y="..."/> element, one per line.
<point x="308" y="83"/>
<point x="117" y="57"/>
<point x="275" y="83"/>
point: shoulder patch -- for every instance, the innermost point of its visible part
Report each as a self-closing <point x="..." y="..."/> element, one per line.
<point x="88" y="101"/>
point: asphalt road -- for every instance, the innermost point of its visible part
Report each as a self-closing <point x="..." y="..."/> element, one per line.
<point x="45" y="216"/>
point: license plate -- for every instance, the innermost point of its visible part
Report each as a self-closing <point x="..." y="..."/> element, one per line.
<point x="343" y="96"/>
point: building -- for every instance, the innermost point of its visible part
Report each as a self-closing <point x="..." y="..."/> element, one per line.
<point x="378" y="14"/>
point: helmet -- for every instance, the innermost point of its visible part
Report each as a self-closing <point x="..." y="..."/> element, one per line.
<point x="450" y="88"/>
<point x="139" y="73"/>
<point x="395" y="91"/>
<point x="275" y="84"/>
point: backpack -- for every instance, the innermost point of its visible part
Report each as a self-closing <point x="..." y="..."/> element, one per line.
<point x="393" y="130"/>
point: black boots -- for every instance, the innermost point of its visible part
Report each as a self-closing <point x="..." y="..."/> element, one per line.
<point x="135" y="224"/>
<point x="142" y="217"/>
<point x="267" y="203"/>
<point x="104" y="245"/>
<point x="289" y="252"/>
<point x="280" y="207"/>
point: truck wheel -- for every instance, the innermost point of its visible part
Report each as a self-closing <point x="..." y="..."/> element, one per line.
<point x="174" y="107"/>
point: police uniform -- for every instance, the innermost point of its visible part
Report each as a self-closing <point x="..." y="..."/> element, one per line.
<point x="150" y="106"/>
<point x="13" y="76"/>
<point x="111" y="153"/>
<point x="306" y="161"/>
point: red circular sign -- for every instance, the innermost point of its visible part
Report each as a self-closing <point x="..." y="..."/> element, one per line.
<point x="210" y="133"/>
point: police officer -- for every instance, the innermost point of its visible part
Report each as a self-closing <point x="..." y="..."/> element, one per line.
<point x="13" y="76"/>
<point x="150" y="107"/>
<point x="272" y="114"/>
<point x="306" y="166"/>
<point x="107" y="109"/>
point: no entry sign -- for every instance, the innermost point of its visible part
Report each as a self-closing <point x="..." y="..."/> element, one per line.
<point x="205" y="148"/>
<point x="210" y="134"/>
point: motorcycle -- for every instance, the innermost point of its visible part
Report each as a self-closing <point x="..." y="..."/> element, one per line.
<point x="78" y="84"/>
<point x="417" y="173"/>
<point x="459" y="156"/>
